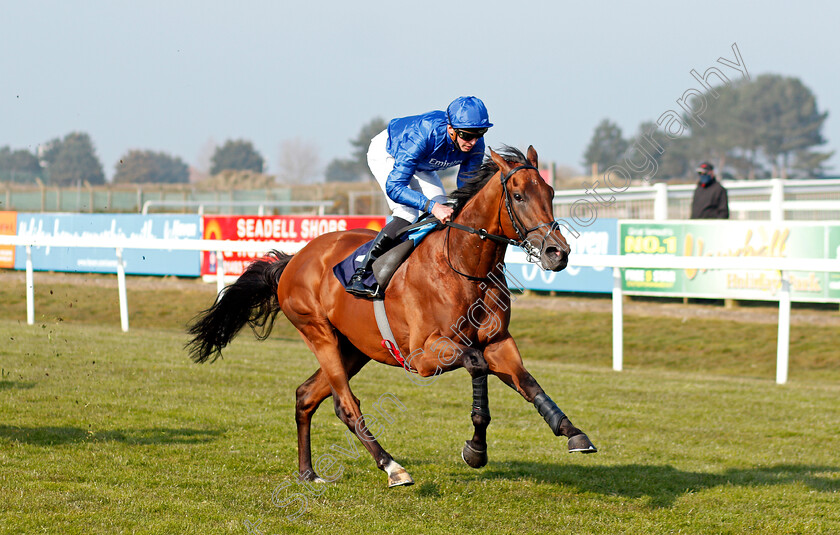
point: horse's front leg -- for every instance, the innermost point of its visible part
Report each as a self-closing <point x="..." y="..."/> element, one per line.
<point x="505" y="362"/>
<point x="475" y="450"/>
<point x="441" y="354"/>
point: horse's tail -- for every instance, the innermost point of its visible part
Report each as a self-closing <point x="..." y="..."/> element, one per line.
<point x="252" y="299"/>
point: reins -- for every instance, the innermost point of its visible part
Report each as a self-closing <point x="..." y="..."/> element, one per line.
<point x="480" y="232"/>
<point x="521" y="230"/>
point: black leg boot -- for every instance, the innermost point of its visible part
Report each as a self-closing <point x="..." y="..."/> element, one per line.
<point x="355" y="286"/>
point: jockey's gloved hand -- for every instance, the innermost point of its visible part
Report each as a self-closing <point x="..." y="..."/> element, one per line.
<point x="442" y="211"/>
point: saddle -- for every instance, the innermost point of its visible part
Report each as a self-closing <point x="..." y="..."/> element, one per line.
<point x="386" y="265"/>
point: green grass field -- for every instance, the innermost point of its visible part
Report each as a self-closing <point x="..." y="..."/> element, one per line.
<point x="107" y="432"/>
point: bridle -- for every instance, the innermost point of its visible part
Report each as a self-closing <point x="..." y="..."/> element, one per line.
<point x="532" y="253"/>
<point x="518" y="226"/>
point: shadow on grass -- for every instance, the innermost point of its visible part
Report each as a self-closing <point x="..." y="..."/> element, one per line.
<point x="429" y="490"/>
<point x="8" y="385"/>
<point x="55" y="436"/>
<point x="662" y="485"/>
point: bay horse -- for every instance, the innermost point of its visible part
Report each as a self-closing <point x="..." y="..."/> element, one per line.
<point x="448" y="306"/>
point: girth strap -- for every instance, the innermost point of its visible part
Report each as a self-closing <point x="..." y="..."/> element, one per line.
<point x="388" y="341"/>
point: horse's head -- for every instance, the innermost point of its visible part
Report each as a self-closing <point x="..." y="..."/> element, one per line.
<point x="529" y="215"/>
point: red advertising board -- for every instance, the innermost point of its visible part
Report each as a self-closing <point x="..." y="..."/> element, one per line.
<point x="8" y="227"/>
<point x="285" y="233"/>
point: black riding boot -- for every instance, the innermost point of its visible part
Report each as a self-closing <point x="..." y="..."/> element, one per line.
<point x="355" y="286"/>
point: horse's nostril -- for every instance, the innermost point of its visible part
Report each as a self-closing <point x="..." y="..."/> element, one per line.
<point x="554" y="251"/>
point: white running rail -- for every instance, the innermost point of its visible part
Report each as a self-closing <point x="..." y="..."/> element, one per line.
<point x="616" y="262"/>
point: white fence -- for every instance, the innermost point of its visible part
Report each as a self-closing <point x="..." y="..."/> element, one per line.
<point x="775" y="199"/>
<point x="321" y="206"/>
<point x="613" y="261"/>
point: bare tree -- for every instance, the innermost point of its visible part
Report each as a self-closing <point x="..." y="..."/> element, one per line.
<point x="298" y="162"/>
<point x="204" y="159"/>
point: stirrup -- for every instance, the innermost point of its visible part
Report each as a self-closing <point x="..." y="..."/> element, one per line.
<point x="365" y="292"/>
<point x="356" y="287"/>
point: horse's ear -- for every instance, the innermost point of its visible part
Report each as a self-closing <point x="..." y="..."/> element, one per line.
<point x="532" y="155"/>
<point x="504" y="167"/>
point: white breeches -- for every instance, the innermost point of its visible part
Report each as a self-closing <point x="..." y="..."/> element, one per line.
<point x="426" y="182"/>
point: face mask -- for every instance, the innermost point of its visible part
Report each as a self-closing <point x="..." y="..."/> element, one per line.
<point x="705" y="179"/>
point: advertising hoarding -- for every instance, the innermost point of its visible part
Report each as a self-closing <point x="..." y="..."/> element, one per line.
<point x="8" y="227"/>
<point x="286" y="233"/>
<point x="597" y="238"/>
<point x="77" y="227"/>
<point x="730" y="238"/>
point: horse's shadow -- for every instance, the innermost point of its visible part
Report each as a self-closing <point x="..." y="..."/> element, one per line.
<point x="662" y="485"/>
<point x="53" y="436"/>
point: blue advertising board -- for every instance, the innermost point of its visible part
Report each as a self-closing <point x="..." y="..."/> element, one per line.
<point x="598" y="238"/>
<point x="99" y="260"/>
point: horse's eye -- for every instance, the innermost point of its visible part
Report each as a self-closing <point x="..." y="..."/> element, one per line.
<point x="517" y="196"/>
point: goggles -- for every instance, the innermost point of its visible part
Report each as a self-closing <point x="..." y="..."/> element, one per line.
<point x="469" y="135"/>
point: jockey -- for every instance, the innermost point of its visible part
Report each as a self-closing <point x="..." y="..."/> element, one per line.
<point x="405" y="157"/>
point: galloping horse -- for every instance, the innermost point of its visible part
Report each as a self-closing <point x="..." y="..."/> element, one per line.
<point x="446" y="310"/>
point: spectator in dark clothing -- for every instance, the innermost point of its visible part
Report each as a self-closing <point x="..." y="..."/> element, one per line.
<point x="710" y="199"/>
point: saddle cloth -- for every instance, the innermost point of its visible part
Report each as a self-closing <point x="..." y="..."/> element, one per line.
<point x="384" y="266"/>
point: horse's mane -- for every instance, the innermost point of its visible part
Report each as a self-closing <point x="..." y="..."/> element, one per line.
<point x="482" y="175"/>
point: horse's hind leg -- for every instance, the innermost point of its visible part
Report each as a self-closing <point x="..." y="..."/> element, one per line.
<point x="323" y="341"/>
<point x="475" y="450"/>
<point x="309" y="396"/>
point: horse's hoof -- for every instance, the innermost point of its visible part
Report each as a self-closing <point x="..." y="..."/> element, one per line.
<point x="400" y="479"/>
<point x="581" y="443"/>
<point x="473" y="457"/>
<point x="312" y="478"/>
<point x="397" y="475"/>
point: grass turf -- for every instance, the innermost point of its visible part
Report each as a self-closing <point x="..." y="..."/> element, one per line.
<point x="107" y="432"/>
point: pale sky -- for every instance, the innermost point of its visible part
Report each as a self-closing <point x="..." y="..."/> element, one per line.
<point x="175" y="75"/>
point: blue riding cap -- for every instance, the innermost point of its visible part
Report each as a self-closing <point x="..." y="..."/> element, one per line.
<point x="468" y="112"/>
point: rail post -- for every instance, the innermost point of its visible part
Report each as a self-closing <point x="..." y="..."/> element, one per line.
<point x="30" y="288"/>
<point x="777" y="199"/>
<point x="783" y="347"/>
<point x="220" y="272"/>
<point x="121" y="287"/>
<point x="618" y="321"/>
<point x="660" y="201"/>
